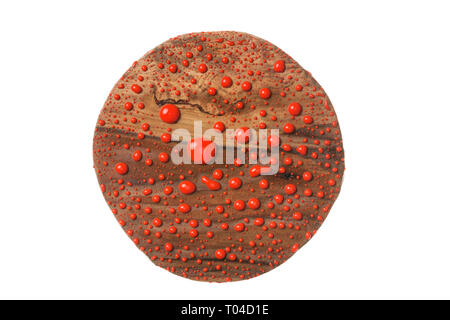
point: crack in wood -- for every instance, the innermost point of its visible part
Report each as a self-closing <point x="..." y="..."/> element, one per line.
<point x="160" y="103"/>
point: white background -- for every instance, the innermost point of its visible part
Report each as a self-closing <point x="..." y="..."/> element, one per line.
<point x="385" y="65"/>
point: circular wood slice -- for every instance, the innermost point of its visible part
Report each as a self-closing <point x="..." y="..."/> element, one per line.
<point x="218" y="222"/>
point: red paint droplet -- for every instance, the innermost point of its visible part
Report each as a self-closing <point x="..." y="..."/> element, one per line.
<point x="295" y="108"/>
<point x="137" y="155"/>
<point x="212" y="91"/>
<point x="169" y="113"/>
<point x="307" y="176"/>
<point x="242" y="135"/>
<point x="265" y="93"/>
<point x="239" y="227"/>
<point x="258" y="221"/>
<point x="254" y="203"/>
<point x="246" y="86"/>
<point x="279" y="66"/>
<point x="187" y="187"/>
<point x="217" y="174"/>
<point x="136" y="88"/>
<point x="173" y="68"/>
<point x="239" y="205"/>
<point x="273" y="141"/>
<point x="307" y="119"/>
<point x="220" y="126"/>
<point x="288" y="128"/>
<point x="211" y="184"/>
<point x="220" y="254"/>
<point x="303" y="150"/>
<point x="290" y="189"/>
<point x="184" y="208"/>
<point x="168" y="246"/>
<point x="255" y="171"/>
<point x="128" y="106"/>
<point x="121" y="168"/>
<point x="227" y="82"/>
<point x="297" y="216"/>
<point x="202" y="68"/>
<point x="163" y="157"/>
<point x="201" y="151"/>
<point x="235" y="183"/>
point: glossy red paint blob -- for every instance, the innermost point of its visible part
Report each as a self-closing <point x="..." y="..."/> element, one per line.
<point x="242" y="135"/>
<point x="136" y="88"/>
<point x="295" y="108"/>
<point x="307" y="119"/>
<point x="290" y="189"/>
<point x="121" y="168"/>
<point x="259" y="222"/>
<point x="220" y="126"/>
<point x="128" y="106"/>
<point x="212" y="91"/>
<point x="168" y="246"/>
<point x="246" y="86"/>
<point x="226" y="82"/>
<point x="202" y="68"/>
<point x="184" y="208"/>
<point x="255" y="171"/>
<point x="211" y="184"/>
<point x="279" y="66"/>
<point x="288" y="128"/>
<point x="218" y="174"/>
<point x="265" y="93"/>
<point x="235" y="183"/>
<point x="297" y="216"/>
<point x="264" y="184"/>
<point x="307" y="176"/>
<point x="220" y="254"/>
<point x="169" y="113"/>
<point x="201" y="151"/>
<point x="173" y="68"/>
<point x="239" y="205"/>
<point x="163" y="157"/>
<point x="303" y="150"/>
<point x="137" y="155"/>
<point x="166" y="137"/>
<point x="273" y="141"/>
<point x="254" y="203"/>
<point x="187" y="187"/>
